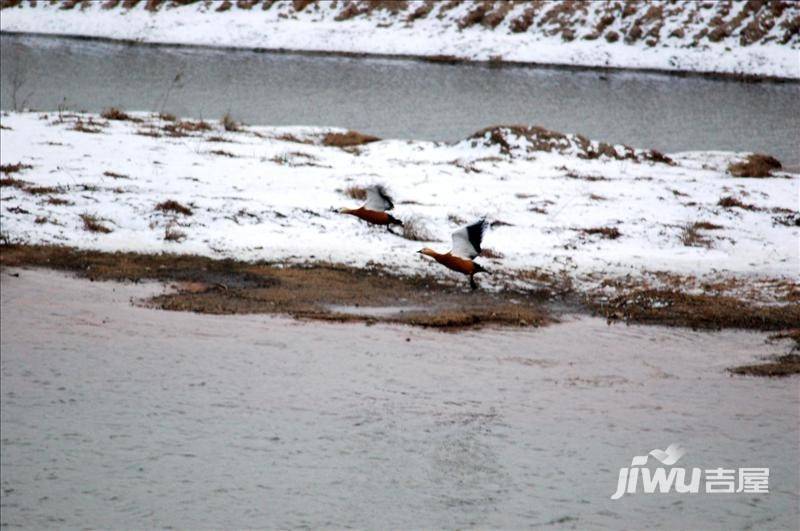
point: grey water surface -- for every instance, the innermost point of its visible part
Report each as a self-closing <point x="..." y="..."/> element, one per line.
<point x="402" y="98"/>
<point x="119" y="416"/>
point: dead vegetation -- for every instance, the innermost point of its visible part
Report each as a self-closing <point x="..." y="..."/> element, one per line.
<point x="174" y="207"/>
<point x="699" y="311"/>
<point x="112" y="113"/>
<point x="541" y="139"/>
<point x="115" y="175"/>
<point x="414" y="229"/>
<point x="172" y="234"/>
<point x="732" y="202"/>
<point x="692" y="237"/>
<point x="610" y="233"/>
<point x="358" y="193"/>
<point x="229" y="124"/>
<point x="92" y="223"/>
<point x="755" y="165"/>
<point x="631" y="22"/>
<point x="348" y="139"/>
<point x="14" y="168"/>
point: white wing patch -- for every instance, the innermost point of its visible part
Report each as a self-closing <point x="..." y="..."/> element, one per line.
<point x="378" y="199"/>
<point x="461" y="245"/>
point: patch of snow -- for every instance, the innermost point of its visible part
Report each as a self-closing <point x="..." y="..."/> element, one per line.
<point x="261" y="196"/>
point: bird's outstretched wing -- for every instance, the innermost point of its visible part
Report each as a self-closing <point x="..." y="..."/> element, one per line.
<point x="467" y="240"/>
<point x="378" y="199"/>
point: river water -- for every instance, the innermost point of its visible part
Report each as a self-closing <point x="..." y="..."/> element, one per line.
<point x="118" y="416"/>
<point x="404" y="99"/>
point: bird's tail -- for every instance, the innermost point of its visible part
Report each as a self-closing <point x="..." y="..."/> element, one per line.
<point x="480" y="269"/>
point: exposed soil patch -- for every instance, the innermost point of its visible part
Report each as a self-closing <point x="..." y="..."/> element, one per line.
<point x="206" y="285"/>
<point x="785" y="365"/>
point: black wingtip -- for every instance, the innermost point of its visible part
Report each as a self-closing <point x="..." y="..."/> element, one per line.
<point x="385" y="195"/>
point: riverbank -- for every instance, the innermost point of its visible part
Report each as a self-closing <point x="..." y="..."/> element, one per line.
<point x="566" y="214"/>
<point x="740" y="41"/>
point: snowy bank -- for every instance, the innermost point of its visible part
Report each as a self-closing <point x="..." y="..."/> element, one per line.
<point x="731" y="38"/>
<point x="557" y="203"/>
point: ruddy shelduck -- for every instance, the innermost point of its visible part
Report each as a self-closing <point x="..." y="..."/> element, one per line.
<point x="374" y="210"/>
<point x="466" y="246"/>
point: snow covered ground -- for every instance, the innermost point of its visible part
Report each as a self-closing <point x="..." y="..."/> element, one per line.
<point x="274" y="194"/>
<point x="710" y="37"/>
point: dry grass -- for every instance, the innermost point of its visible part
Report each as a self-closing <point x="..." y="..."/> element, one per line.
<point x="173" y="206"/>
<point x="611" y="233"/>
<point x="229" y="124"/>
<point x="14" y="168"/>
<point x="44" y="190"/>
<point x="112" y="113"/>
<point x="414" y="229"/>
<point x="222" y="153"/>
<point x="92" y="223"/>
<point x="14" y="183"/>
<point x="84" y="127"/>
<point x="348" y="139"/>
<point x="691" y="236"/>
<point x="171" y="234"/>
<point x="57" y="201"/>
<point x="115" y="175"/>
<point x="358" y="193"/>
<point x="755" y="165"/>
<point x="732" y="202"/>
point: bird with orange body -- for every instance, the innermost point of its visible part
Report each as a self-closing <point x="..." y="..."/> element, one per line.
<point x="373" y="211"/>
<point x="466" y="246"/>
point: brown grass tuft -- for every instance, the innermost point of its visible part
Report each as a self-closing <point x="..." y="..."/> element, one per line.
<point x="57" y="201"/>
<point x="755" y="165"/>
<point x="115" y="175"/>
<point x="171" y="205"/>
<point x="112" y="113"/>
<point x="691" y="236"/>
<point x="611" y="233"/>
<point x="350" y="138"/>
<point x="230" y="124"/>
<point x="356" y="192"/>
<point x="14" y="168"/>
<point x="732" y="202"/>
<point x="415" y="230"/>
<point x="92" y="223"/>
<point x="171" y="234"/>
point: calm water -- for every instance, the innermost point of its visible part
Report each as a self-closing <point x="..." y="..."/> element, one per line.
<point x="116" y="416"/>
<point x="406" y="99"/>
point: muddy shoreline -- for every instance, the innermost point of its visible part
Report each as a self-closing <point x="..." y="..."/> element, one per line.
<point x="335" y="292"/>
<point x="444" y="59"/>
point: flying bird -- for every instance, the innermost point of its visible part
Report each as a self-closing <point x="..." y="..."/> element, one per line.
<point x="466" y="246"/>
<point x="374" y="210"/>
